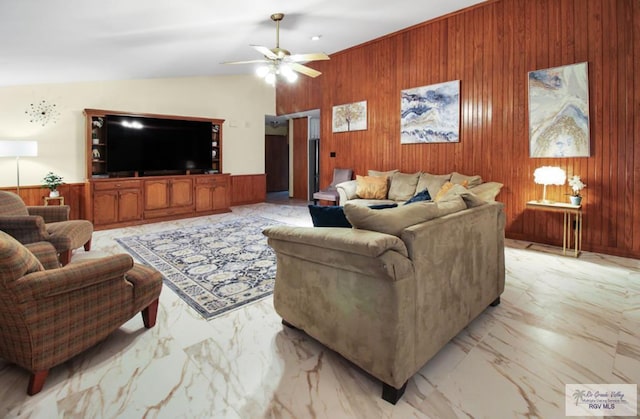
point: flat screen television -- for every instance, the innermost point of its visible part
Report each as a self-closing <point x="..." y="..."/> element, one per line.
<point x="155" y="145"/>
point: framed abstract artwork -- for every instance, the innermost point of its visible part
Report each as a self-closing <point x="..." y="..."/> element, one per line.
<point x="559" y="112"/>
<point x="430" y="114"/>
<point x="350" y="117"/>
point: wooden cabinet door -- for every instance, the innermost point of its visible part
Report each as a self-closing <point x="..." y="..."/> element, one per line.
<point x="203" y="198"/>
<point x="156" y="194"/>
<point x="129" y="205"/>
<point x="220" y="197"/>
<point x="181" y="192"/>
<point x="105" y="207"/>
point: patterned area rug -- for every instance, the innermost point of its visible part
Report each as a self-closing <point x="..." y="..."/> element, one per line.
<point x="214" y="268"/>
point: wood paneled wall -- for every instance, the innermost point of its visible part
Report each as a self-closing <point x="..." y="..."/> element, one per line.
<point x="73" y="193"/>
<point x="300" y="158"/>
<point x="491" y="48"/>
<point x="248" y="189"/>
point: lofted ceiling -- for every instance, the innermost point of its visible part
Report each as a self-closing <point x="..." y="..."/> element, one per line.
<point x="57" y="41"/>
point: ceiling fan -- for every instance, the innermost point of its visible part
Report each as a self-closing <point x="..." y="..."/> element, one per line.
<point x="279" y="61"/>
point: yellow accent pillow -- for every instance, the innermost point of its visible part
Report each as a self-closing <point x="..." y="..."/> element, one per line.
<point x="371" y="187"/>
<point x="443" y="191"/>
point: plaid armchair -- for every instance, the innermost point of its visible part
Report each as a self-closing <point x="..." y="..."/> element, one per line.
<point x="49" y="314"/>
<point x="30" y="224"/>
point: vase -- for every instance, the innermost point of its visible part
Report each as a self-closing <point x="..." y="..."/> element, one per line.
<point x="575" y="200"/>
<point x="54" y="193"/>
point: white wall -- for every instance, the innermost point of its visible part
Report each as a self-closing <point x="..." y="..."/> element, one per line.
<point x="243" y="101"/>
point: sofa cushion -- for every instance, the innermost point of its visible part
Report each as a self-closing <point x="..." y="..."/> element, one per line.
<point x="487" y="191"/>
<point x="15" y="259"/>
<point x="444" y="189"/>
<point x="371" y="187"/>
<point x="420" y="196"/>
<point x="470" y="199"/>
<point x="328" y="216"/>
<point x="432" y="183"/>
<point x="403" y="186"/>
<point x="472" y="181"/>
<point x="394" y="220"/>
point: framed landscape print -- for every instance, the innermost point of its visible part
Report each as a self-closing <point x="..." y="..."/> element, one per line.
<point x="559" y="112"/>
<point x="350" y="117"/>
<point x="430" y="114"/>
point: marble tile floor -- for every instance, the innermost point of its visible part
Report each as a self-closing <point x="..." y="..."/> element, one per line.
<point x="562" y="320"/>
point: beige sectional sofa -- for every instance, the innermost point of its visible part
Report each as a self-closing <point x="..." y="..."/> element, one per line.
<point x="389" y="293"/>
<point x="402" y="186"/>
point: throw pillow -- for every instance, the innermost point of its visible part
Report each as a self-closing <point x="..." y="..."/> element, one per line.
<point x="443" y="191"/>
<point x="488" y="191"/>
<point x="15" y="259"/>
<point x="328" y="216"/>
<point x="333" y="216"/>
<point x="371" y="187"/>
<point x="472" y="181"/>
<point x="470" y="199"/>
<point x="432" y="183"/>
<point x="403" y="186"/>
<point x="420" y="196"/>
<point x="382" y="206"/>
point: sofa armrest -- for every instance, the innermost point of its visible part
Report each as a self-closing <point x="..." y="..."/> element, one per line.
<point x="24" y="228"/>
<point x="51" y="214"/>
<point x="359" y="242"/>
<point x="364" y="252"/>
<point x="71" y="277"/>
<point x="347" y="190"/>
<point x="46" y="254"/>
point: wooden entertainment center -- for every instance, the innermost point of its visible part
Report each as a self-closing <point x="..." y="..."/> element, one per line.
<point x="117" y="199"/>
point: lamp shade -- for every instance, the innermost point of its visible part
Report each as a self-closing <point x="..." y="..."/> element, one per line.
<point x="18" y="148"/>
<point x="549" y="175"/>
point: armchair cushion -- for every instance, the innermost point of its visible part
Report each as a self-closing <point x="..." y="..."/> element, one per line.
<point x="15" y="259"/>
<point x="69" y="234"/>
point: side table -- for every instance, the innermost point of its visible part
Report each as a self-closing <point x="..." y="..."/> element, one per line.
<point x="568" y="210"/>
<point x="47" y="199"/>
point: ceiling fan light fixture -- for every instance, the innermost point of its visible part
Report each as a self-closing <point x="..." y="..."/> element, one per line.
<point x="288" y="73"/>
<point x="262" y="71"/>
<point x="270" y="78"/>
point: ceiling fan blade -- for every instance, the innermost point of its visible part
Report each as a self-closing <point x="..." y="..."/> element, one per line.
<point x="316" y="56"/>
<point x="307" y="71"/>
<point x="265" y="51"/>
<point x="246" y="62"/>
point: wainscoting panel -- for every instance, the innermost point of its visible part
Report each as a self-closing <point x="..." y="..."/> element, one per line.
<point x="248" y="189"/>
<point x="73" y="194"/>
<point x="491" y="48"/>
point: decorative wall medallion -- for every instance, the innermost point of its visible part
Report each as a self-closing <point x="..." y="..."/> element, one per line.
<point x="42" y="113"/>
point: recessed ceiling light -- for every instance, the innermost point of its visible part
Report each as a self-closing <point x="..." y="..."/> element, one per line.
<point x="316" y="37"/>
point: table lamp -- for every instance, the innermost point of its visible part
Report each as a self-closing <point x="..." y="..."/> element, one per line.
<point x="18" y="149"/>
<point x="548" y="175"/>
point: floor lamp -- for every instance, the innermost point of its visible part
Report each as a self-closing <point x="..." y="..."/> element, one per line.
<point x="18" y="149"/>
